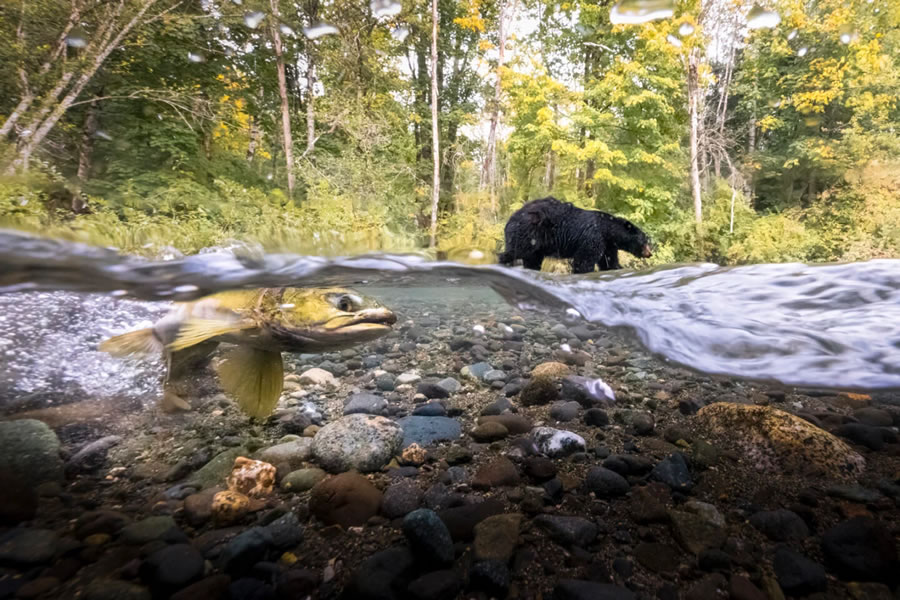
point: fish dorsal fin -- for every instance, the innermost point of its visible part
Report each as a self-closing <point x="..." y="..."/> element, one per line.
<point x="254" y="377"/>
<point x="141" y="341"/>
<point x="195" y="331"/>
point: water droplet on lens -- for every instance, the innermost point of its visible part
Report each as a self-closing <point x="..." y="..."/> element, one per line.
<point x="118" y="293"/>
<point x="400" y="33"/>
<point x="792" y="34"/>
<point x="385" y="8"/>
<point x="269" y="177"/>
<point x="286" y="306"/>
<point x="253" y="19"/>
<point x="238" y="2"/>
<point x="102" y="135"/>
<point x="285" y="29"/>
<point x="673" y="40"/>
<point x="685" y="29"/>
<point x="802" y="51"/>
<point x="760" y="18"/>
<point x="317" y="31"/>
<point x="847" y="34"/>
<point x="196" y="57"/>
<point x="77" y="38"/>
<point x="630" y="12"/>
<point x="186" y="289"/>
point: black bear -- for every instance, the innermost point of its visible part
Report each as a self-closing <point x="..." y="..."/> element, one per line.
<point x="549" y="227"/>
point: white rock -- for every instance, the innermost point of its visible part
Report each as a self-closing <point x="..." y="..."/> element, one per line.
<point x="408" y="378"/>
<point x="317" y="376"/>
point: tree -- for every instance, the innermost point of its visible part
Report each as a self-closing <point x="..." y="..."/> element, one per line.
<point x="435" y="131"/>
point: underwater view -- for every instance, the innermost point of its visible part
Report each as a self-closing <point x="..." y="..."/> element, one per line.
<point x="449" y="300"/>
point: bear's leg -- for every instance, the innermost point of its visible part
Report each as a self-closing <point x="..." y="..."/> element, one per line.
<point x="533" y="262"/>
<point x="609" y="260"/>
<point x="583" y="262"/>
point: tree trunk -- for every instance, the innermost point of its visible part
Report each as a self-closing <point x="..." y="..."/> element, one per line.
<point x="310" y="103"/>
<point x="255" y="136"/>
<point x="435" y="130"/>
<point x="44" y="127"/>
<point x="694" y="114"/>
<point x="550" y="171"/>
<point x="86" y="151"/>
<point x="489" y="169"/>
<point x="286" y="138"/>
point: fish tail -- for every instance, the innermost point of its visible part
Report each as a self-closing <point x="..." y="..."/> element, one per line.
<point x="141" y="341"/>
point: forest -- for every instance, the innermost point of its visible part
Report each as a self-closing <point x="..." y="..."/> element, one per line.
<point x="731" y="131"/>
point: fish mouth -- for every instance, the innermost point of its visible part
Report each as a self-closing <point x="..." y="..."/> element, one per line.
<point x="365" y="324"/>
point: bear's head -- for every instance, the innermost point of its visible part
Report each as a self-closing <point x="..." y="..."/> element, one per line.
<point x="634" y="241"/>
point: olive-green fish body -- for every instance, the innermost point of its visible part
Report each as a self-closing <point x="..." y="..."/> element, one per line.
<point x="262" y="324"/>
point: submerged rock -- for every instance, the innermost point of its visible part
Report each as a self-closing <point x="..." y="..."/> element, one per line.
<point x="347" y="499"/>
<point x="30" y="450"/>
<point x="774" y="440"/>
<point x="362" y="442"/>
<point x="425" y="431"/>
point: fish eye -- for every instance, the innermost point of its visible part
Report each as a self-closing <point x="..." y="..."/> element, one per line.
<point x="345" y="304"/>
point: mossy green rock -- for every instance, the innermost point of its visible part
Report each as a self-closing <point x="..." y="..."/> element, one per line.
<point x="215" y="471"/>
<point x="30" y="450"/>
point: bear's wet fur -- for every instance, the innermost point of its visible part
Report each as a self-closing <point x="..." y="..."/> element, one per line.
<point x="550" y="227"/>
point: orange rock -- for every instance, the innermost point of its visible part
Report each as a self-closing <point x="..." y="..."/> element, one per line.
<point x="253" y="478"/>
<point x="413" y="454"/>
<point x="229" y="507"/>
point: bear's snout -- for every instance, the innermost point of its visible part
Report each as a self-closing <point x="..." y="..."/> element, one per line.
<point x="648" y="252"/>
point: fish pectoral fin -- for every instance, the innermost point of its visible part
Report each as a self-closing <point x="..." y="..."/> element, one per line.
<point x="141" y="341"/>
<point x="172" y="402"/>
<point x="196" y="331"/>
<point x="254" y="377"/>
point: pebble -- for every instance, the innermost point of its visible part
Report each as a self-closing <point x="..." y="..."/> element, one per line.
<point x="574" y="589"/>
<point x="379" y="575"/>
<point x="401" y="498"/>
<point x="564" y="411"/>
<point x="210" y="588"/>
<point x="476" y="371"/>
<point x="552" y="370"/>
<point x="385" y="382"/>
<point x="288" y="456"/>
<point x="696" y="532"/>
<point x="437" y="585"/>
<point x="780" y="525"/>
<point x="539" y="391"/>
<point x="430" y="409"/>
<point x="557" y="443"/>
<point x="362" y="442"/>
<point x="408" y="378"/>
<point x="302" y="480"/>
<point x="496" y="537"/>
<point x="228" y="507"/>
<point x="494" y="375"/>
<point x="27" y="547"/>
<point x="673" y="471"/>
<point x="499" y="472"/>
<point x="489" y="576"/>
<point x="285" y="532"/>
<point x="18" y="500"/>
<point x="515" y="424"/>
<point x="317" y="376"/>
<point x="253" y="478"/>
<point x="596" y="417"/>
<point x="425" y="431"/>
<point x="348" y="499"/>
<point x="245" y="550"/>
<point x="798" y="575"/>
<point x="114" y="589"/>
<point x="428" y="537"/>
<point x="658" y="557"/>
<point x="365" y="403"/>
<point x="490" y="431"/>
<point x="863" y="549"/>
<point x="150" y="529"/>
<point x="539" y="468"/>
<point x="30" y="450"/>
<point x="873" y="438"/>
<point x="216" y="470"/>
<point x="171" y="568"/>
<point x="568" y="531"/>
<point x="605" y="483"/>
<point x="461" y="520"/>
<point x="588" y="392"/>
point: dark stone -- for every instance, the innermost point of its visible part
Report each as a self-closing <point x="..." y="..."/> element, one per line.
<point x="172" y="568"/>
<point x="213" y="587"/>
<point x="100" y="521"/>
<point x="153" y="528"/>
<point x="431" y="390"/>
<point x="347" y="499"/>
<point x="659" y="558"/>
<point x="605" y="483"/>
<point x="642" y="423"/>
<point x="696" y="532"/>
<point x="245" y="550"/>
<point x="596" y="417"/>
<point x="862" y="549"/>
<point x="438" y="585"/>
<point x="540" y="468"/>
<point x="425" y="431"/>
<point x="798" y="575"/>
<point x="499" y="472"/>
<point x="383" y="576"/>
<point x="873" y="438"/>
<point x="461" y="520"/>
<point x="400" y="499"/>
<point x="628" y="464"/>
<point x="780" y="525"/>
<point x="489" y="576"/>
<point x="690" y="406"/>
<point x="568" y="531"/>
<point x="285" y="532"/>
<point x="249" y="588"/>
<point x="673" y="471"/>
<point x="430" y="409"/>
<point x="713" y="559"/>
<point x="385" y="382"/>
<point x="574" y="589"/>
<point x="428" y="537"/>
<point x="114" y="589"/>
<point x="25" y="547"/>
<point x="564" y="411"/>
<point x="296" y="583"/>
<point x="18" y="500"/>
<point x="539" y="391"/>
<point x="515" y="424"/>
<point x="365" y="403"/>
<point x="741" y="588"/>
<point x="648" y="503"/>
<point x="710" y="586"/>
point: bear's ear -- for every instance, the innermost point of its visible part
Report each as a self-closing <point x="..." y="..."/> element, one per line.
<point x="535" y="217"/>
